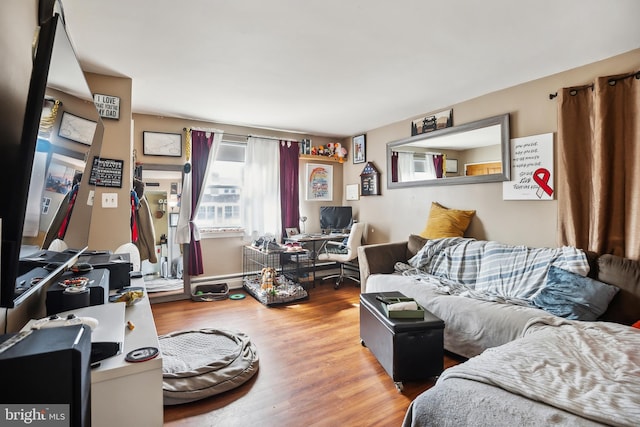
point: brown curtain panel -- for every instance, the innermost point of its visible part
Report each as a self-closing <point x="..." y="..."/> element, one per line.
<point x="599" y="166"/>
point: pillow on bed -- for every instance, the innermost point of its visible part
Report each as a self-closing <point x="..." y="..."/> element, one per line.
<point x="445" y="222"/>
<point x="572" y="296"/>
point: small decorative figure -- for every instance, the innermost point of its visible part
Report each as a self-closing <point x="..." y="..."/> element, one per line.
<point x="268" y="280"/>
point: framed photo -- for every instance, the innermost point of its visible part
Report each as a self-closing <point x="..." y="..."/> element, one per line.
<point x="359" y="149"/>
<point x="108" y="106"/>
<point x="162" y="144"/>
<point x="291" y="231"/>
<point x="352" y="192"/>
<point x="452" y="166"/>
<point x="77" y="128"/>
<point x="439" y="120"/>
<point x="319" y="181"/>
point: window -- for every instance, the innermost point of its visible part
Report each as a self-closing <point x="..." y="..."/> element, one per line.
<point x="220" y="207"/>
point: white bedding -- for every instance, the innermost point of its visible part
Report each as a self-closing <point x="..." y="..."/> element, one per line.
<point x="591" y="369"/>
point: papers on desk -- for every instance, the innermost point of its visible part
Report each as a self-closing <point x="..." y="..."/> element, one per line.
<point x="298" y="237"/>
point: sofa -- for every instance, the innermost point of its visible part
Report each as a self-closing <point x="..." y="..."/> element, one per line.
<point x="514" y="345"/>
<point x="487" y="324"/>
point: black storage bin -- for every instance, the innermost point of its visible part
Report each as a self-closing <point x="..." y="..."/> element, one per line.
<point x="407" y="349"/>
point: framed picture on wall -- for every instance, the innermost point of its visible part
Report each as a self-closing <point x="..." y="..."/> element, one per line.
<point x="359" y="149"/>
<point x="77" y="128"/>
<point x="452" y="166"/>
<point x="162" y="144"/>
<point x="319" y="182"/>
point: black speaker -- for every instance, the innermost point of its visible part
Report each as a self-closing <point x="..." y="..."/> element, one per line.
<point x="47" y="376"/>
<point x="98" y="287"/>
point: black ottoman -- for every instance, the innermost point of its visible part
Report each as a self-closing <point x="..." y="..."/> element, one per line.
<point x="408" y="349"/>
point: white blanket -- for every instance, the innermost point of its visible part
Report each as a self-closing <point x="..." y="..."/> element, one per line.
<point x="591" y="369"/>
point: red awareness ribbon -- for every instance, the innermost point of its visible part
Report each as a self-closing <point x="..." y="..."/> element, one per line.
<point x="541" y="177"/>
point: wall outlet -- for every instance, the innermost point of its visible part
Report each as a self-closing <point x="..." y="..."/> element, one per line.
<point x="109" y="200"/>
<point x="92" y="195"/>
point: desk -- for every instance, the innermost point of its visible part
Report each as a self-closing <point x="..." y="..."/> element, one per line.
<point x="317" y="242"/>
<point x="315" y="239"/>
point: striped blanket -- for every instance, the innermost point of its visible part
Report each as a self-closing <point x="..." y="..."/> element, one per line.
<point x="494" y="270"/>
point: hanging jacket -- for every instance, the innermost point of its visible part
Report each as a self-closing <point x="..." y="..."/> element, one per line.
<point x="146" y="242"/>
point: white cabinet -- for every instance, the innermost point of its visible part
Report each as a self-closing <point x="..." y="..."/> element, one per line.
<point x="125" y="393"/>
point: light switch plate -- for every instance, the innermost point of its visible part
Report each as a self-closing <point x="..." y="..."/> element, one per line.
<point x="109" y="200"/>
<point x="91" y="197"/>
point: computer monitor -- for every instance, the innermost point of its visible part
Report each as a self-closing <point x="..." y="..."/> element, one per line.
<point x="335" y="218"/>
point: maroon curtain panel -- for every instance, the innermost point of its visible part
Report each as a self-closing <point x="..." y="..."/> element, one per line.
<point x="200" y="147"/>
<point x="394" y="166"/>
<point x="289" y="186"/>
<point x="438" y="161"/>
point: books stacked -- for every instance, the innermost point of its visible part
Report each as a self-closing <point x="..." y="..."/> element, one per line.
<point x="401" y="307"/>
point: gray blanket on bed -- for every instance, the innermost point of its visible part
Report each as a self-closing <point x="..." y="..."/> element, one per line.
<point x="590" y="369"/>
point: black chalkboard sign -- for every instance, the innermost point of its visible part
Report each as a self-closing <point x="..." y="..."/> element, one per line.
<point x="106" y="172"/>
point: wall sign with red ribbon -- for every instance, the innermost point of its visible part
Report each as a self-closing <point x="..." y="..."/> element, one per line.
<point x="531" y="169"/>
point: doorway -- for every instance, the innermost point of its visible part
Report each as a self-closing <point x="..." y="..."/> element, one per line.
<point x="164" y="279"/>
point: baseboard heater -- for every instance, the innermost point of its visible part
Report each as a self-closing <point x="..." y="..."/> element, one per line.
<point x="234" y="281"/>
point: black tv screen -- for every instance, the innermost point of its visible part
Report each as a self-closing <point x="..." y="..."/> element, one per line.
<point x="335" y="218"/>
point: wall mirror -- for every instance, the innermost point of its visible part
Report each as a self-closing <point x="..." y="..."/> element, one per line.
<point x="70" y="133"/>
<point x="474" y="152"/>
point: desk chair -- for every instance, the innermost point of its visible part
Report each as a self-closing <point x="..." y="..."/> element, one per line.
<point x="344" y="254"/>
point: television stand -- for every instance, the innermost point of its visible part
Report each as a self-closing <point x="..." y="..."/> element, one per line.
<point x="124" y="393"/>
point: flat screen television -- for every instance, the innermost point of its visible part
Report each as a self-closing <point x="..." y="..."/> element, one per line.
<point x="29" y="160"/>
<point x="335" y="218"/>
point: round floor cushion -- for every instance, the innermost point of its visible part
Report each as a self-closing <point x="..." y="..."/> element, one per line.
<point x="201" y="363"/>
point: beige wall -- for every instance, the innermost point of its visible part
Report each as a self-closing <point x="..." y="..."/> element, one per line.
<point x="110" y="227"/>
<point x="400" y="212"/>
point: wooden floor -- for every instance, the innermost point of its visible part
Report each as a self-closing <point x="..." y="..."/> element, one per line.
<point x="313" y="370"/>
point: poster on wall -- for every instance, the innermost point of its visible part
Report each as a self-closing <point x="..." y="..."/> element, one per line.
<point x="531" y="169"/>
<point x="106" y="172"/>
<point x="319" y="179"/>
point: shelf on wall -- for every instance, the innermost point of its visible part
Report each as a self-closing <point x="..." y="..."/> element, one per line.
<point x="319" y="158"/>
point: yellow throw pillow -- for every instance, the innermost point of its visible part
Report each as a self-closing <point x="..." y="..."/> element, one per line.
<point x="445" y="222"/>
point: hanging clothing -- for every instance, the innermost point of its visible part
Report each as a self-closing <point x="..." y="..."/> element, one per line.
<point x="60" y="222"/>
<point x="146" y="242"/>
<point x="143" y="234"/>
<point x="135" y="203"/>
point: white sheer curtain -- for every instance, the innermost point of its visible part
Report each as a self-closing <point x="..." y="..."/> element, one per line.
<point x="430" y="167"/>
<point x="406" y="167"/>
<point x="183" y="234"/>
<point x="261" y="188"/>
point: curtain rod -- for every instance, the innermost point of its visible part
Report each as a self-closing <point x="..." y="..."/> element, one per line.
<point x="242" y="136"/>
<point x="612" y="81"/>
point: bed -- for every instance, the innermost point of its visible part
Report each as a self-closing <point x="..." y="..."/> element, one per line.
<point x="560" y="373"/>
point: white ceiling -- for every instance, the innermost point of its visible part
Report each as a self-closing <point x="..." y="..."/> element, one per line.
<point x="337" y="67"/>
